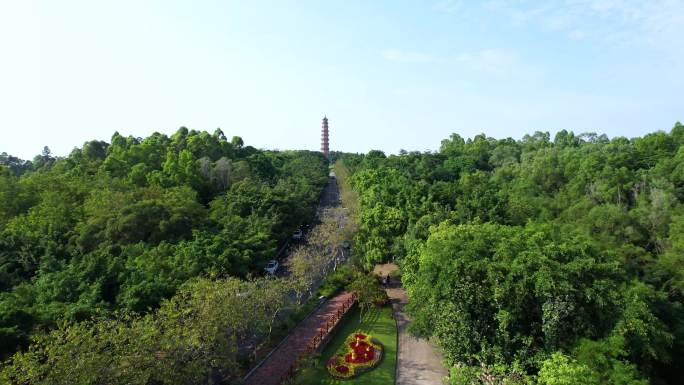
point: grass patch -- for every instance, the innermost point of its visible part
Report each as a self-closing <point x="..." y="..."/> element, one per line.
<point x="379" y="323"/>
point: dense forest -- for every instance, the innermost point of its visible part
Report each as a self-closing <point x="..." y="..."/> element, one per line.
<point x="130" y="244"/>
<point x="536" y="260"/>
<point x="531" y="261"/>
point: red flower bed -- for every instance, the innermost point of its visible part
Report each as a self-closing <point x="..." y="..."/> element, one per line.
<point x="362" y="353"/>
<point x="342" y="369"/>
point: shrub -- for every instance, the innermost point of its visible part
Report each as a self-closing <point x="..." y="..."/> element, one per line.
<point x="336" y="281"/>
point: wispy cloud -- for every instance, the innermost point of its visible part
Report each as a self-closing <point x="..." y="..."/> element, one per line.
<point x="656" y="22"/>
<point x="628" y="24"/>
<point x="495" y="62"/>
<point x="408" y="57"/>
<point x="448" y="6"/>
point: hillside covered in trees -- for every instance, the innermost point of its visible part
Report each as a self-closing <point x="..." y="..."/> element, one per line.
<point x="553" y="261"/>
<point x="531" y="261"/>
<point x="113" y="229"/>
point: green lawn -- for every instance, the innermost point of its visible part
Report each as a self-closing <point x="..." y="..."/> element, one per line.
<point x="379" y="323"/>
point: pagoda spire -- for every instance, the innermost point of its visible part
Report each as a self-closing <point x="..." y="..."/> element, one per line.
<point x="325" y="149"/>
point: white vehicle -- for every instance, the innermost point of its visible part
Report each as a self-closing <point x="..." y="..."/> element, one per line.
<point x="271" y="267"/>
<point x="298" y="234"/>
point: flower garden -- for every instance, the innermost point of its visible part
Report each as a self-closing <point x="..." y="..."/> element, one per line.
<point x="359" y="353"/>
<point x="376" y="323"/>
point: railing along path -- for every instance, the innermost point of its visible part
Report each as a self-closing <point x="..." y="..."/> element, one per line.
<point x="282" y="364"/>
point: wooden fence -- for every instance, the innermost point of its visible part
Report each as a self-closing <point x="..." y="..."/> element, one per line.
<point x="323" y="332"/>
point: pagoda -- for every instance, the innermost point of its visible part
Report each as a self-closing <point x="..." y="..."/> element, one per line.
<point x="324" y="137"/>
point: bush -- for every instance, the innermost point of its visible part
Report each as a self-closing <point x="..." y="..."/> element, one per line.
<point x="336" y="281"/>
<point x="396" y="275"/>
<point x="381" y="298"/>
<point x="368" y="291"/>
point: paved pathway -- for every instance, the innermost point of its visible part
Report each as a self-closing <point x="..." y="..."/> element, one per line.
<point x="419" y="362"/>
<point x="280" y="361"/>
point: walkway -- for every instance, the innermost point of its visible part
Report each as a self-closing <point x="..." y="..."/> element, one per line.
<point x="419" y="362"/>
<point x="279" y="364"/>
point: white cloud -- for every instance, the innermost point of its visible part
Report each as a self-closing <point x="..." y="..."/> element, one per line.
<point x="489" y="61"/>
<point x="659" y="23"/>
<point x="408" y="57"/>
<point x="495" y="62"/>
<point x="448" y="6"/>
<point x="578" y="34"/>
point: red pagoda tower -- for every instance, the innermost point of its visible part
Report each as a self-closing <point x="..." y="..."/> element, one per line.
<point x="324" y="137"/>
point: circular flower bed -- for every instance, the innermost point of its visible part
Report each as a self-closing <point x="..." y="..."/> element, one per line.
<point x="359" y="354"/>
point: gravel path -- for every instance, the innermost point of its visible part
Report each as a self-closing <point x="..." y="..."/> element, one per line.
<point x="418" y="361"/>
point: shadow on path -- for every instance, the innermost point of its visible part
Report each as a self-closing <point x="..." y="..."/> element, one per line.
<point x="418" y="361"/>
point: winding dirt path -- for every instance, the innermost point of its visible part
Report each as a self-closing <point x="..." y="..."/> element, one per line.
<point x="418" y="361"/>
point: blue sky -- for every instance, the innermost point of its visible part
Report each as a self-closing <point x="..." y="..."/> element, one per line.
<point x="390" y="75"/>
